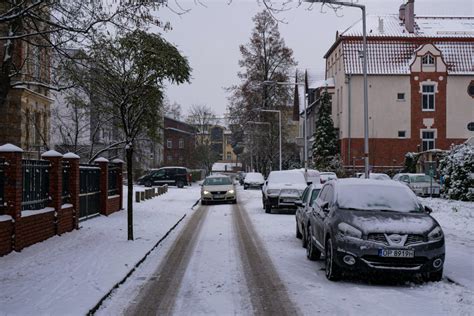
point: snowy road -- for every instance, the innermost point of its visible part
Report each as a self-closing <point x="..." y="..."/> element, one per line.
<point x="216" y="266"/>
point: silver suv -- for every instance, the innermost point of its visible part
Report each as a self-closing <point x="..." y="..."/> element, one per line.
<point x="420" y="183"/>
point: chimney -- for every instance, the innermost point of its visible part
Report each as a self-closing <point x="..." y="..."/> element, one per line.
<point x="381" y="30"/>
<point x="401" y="12"/>
<point x="410" y="16"/>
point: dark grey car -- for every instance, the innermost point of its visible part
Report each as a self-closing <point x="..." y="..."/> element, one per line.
<point x="302" y="207"/>
<point x="364" y="225"/>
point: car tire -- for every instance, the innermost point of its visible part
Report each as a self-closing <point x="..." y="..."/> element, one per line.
<point x="312" y="253"/>
<point x="298" y="233"/>
<point x="148" y="184"/>
<point x="304" y="239"/>
<point x="245" y="187"/>
<point x="268" y="208"/>
<point x="333" y="271"/>
<point x="234" y="201"/>
<point x="180" y="184"/>
<point x="434" y="276"/>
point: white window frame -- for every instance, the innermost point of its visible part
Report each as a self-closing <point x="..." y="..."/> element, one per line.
<point x="435" y="90"/>
<point x="435" y="136"/>
<point x="181" y="143"/>
<point x="169" y="143"/>
<point x="428" y="60"/>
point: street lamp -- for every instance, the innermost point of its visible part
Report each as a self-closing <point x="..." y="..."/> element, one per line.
<point x="305" y="130"/>
<point x="364" y="67"/>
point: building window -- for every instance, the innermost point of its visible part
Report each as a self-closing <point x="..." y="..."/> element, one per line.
<point x="181" y="143"/>
<point x="470" y="89"/>
<point x="169" y="143"/>
<point x="400" y="96"/>
<point x="428" y="97"/>
<point x="427" y="140"/>
<point x="229" y="156"/>
<point x="470" y="126"/>
<point x="402" y="134"/>
<point x="427" y="60"/>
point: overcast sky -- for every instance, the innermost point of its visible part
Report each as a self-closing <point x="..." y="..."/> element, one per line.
<point x="210" y="37"/>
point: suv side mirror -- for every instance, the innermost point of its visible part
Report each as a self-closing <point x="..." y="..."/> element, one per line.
<point x="325" y="207"/>
<point x="299" y="203"/>
<point x="428" y="209"/>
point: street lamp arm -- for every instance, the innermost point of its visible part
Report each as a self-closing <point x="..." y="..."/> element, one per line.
<point x="343" y="3"/>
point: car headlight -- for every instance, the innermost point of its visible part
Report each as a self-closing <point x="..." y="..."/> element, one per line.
<point x="205" y="192"/>
<point x="231" y="191"/>
<point x="273" y="191"/>
<point x="349" y="231"/>
<point x="436" y="234"/>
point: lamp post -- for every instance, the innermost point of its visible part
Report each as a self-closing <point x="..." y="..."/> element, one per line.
<point x="305" y="130"/>
<point x="364" y="69"/>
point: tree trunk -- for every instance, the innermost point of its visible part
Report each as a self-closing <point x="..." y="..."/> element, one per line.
<point x="129" y="151"/>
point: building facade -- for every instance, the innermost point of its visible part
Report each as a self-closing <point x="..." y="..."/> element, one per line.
<point x="420" y="86"/>
<point x="179" y="143"/>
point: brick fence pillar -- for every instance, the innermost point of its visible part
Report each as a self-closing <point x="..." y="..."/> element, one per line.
<point x="104" y="184"/>
<point x="55" y="181"/>
<point x="120" y="164"/>
<point x="74" y="189"/>
<point x="13" y="180"/>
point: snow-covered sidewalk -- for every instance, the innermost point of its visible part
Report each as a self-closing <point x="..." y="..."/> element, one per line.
<point x="69" y="274"/>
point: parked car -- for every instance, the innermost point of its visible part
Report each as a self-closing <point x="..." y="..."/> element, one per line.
<point x="370" y="225"/>
<point x="177" y="176"/>
<point x="218" y="188"/>
<point x="302" y="207"/>
<point x="253" y="180"/>
<point x="282" y="189"/>
<point x="326" y="176"/>
<point x="376" y="176"/>
<point x="420" y="183"/>
<point x="311" y="175"/>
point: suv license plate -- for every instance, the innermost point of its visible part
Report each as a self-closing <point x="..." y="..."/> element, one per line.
<point x="396" y="253"/>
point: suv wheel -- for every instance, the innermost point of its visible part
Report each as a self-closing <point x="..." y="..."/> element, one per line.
<point x="148" y="183"/>
<point x="312" y="253"/>
<point x="268" y="208"/>
<point x="180" y="184"/>
<point x="298" y="233"/>
<point x="333" y="271"/>
<point x="304" y="239"/>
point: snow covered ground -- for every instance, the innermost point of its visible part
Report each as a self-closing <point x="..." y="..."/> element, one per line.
<point x="313" y="293"/>
<point x="69" y="274"/>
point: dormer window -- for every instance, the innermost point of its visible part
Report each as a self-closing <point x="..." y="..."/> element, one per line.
<point x="427" y="60"/>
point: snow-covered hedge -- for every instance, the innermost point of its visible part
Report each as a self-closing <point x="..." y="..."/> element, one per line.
<point x="458" y="171"/>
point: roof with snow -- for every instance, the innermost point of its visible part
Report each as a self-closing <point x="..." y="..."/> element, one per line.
<point x="425" y="26"/>
<point x="390" y="47"/>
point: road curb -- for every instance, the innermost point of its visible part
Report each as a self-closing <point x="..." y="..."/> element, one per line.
<point x="107" y="295"/>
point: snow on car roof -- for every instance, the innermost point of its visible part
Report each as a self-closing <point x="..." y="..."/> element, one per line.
<point x="357" y="181"/>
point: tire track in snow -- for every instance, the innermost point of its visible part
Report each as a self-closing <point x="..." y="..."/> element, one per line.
<point x="267" y="292"/>
<point x="158" y="296"/>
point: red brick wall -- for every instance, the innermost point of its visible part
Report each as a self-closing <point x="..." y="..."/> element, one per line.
<point x="383" y="151"/>
<point x="65" y="220"/>
<point x="113" y="205"/>
<point x="6" y="232"/>
<point x="33" y="229"/>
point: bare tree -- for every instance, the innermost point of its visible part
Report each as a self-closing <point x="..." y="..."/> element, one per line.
<point x="172" y="110"/>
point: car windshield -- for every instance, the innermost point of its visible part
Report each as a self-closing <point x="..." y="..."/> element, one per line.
<point x="218" y="181"/>
<point x="420" y="178"/>
<point x="377" y="197"/>
<point x="254" y="177"/>
<point x="286" y="177"/>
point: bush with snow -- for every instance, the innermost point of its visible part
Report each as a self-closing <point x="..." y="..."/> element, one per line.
<point x="458" y="171"/>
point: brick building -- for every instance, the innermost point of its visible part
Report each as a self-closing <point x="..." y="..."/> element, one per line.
<point x="25" y="118"/>
<point x="179" y="143"/>
<point x="421" y="85"/>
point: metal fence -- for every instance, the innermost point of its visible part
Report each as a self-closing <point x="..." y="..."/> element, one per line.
<point x="2" y="182"/>
<point x="113" y="179"/>
<point x="89" y="190"/>
<point x="35" y="184"/>
<point x="66" y="194"/>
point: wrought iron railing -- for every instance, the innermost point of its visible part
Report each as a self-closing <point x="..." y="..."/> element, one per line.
<point x="66" y="194"/>
<point x="35" y="184"/>
<point x="113" y="179"/>
<point x="2" y="183"/>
